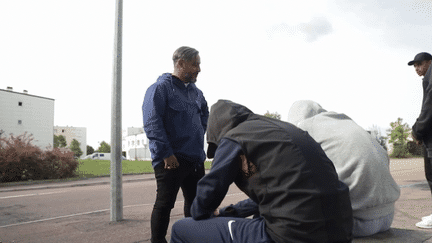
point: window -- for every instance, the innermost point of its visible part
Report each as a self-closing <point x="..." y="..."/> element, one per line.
<point x="20" y="103"/>
<point x="19" y="122"/>
<point x="101" y="155"/>
<point x="138" y="142"/>
<point x="132" y="143"/>
<point x="62" y="130"/>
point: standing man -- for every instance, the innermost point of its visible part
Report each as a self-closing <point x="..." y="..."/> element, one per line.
<point x="175" y="115"/>
<point x="422" y="129"/>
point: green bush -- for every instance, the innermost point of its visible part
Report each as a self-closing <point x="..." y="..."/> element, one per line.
<point x="415" y="149"/>
<point x="400" y="151"/>
<point x="20" y="160"/>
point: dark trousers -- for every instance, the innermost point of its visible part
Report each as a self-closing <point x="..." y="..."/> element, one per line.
<point x="168" y="183"/>
<point x="428" y="167"/>
<point x="220" y="229"/>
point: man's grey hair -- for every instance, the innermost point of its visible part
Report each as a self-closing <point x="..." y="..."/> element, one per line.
<point x="185" y="53"/>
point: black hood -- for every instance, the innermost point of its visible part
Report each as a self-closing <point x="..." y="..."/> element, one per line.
<point x="224" y="116"/>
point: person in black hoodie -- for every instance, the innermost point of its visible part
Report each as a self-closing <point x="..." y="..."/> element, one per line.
<point x="282" y="169"/>
<point x="422" y="129"/>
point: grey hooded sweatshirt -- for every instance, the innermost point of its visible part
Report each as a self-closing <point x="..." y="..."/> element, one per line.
<point x="360" y="161"/>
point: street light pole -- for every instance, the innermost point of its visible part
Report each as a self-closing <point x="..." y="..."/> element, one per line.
<point x="116" y="114"/>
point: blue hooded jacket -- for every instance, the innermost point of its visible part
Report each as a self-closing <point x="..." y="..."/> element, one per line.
<point x="175" y="120"/>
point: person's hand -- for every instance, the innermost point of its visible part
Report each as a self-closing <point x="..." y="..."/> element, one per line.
<point x="216" y="213"/>
<point x="171" y="163"/>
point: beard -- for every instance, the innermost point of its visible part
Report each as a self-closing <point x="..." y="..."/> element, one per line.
<point x="191" y="78"/>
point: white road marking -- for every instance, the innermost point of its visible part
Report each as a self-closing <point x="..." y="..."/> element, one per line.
<point x="71" y="215"/>
<point x="85" y="213"/>
<point x="29" y="195"/>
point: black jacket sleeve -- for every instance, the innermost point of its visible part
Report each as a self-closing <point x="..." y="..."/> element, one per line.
<point x="242" y="209"/>
<point x="212" y="188"/>
<point x="423" y="124"/>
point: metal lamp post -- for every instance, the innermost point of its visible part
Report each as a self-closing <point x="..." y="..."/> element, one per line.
<point x="116" y="159"/>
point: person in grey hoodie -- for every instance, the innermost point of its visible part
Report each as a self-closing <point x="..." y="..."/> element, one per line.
<point x="360" y="162"/>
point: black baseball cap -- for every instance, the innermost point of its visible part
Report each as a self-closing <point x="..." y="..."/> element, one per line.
<point x="422" y="56"/>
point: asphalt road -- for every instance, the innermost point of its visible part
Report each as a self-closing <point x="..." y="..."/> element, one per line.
<point x="23" y="208"/>
<point x="69" y="213"/>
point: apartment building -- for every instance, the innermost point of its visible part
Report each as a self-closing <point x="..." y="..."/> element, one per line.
<point x="135" y="144"/>
<point x="71" y="133"/>
<point x="23" y="112"/>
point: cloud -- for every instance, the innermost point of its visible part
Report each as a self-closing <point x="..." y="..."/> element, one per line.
<point x="399" y="22"/>
<point x="311" y="31"/>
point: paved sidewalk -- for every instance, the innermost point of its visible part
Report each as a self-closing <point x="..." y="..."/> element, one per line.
<point x="414" y="203"/>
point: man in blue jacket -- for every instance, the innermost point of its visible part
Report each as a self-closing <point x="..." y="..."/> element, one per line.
<point x="175" y="115"/>
<point x="281" y="169"/>
<point x="422" y="129"/>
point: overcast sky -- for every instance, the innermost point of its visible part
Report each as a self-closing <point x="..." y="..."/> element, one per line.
<point x="349" y="56"/>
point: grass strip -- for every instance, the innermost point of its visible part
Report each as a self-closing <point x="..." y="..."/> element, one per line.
<point x="96" y="168"/>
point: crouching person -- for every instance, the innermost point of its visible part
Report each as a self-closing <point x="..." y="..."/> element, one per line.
<point x="360" y="161"/>
<point x="281" y="169"/>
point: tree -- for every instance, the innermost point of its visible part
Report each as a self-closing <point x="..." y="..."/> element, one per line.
<point x="273" y="115"/>
<point x="75" y="147"/>
<point x="59" y="141"/>
<point x="398" y="135"/>
<point x="90" y="149"/>
<point x="104" y="148"/>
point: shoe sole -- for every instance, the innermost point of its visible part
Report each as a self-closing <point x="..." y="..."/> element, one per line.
<point x="424" y="226"/>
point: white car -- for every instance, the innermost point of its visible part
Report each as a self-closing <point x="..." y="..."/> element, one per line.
<point x="101" y="156"/>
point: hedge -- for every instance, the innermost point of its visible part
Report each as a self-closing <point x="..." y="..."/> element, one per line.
<point x="20" y="160"/>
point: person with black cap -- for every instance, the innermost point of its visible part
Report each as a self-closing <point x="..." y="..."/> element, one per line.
<point x="422" y="129"/>
<point x="282" y="169"/>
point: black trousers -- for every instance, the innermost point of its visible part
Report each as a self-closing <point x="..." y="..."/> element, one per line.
<point x="169" y="182"/>
<point x="428" y="167"/>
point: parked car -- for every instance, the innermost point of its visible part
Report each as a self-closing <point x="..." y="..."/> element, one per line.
<point x="101" y="156"/>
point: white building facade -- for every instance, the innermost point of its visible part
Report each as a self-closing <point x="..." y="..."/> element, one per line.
<point x="135" y="144"/>
<point x="71" y="133"/>
<point x="22" y="112"/>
